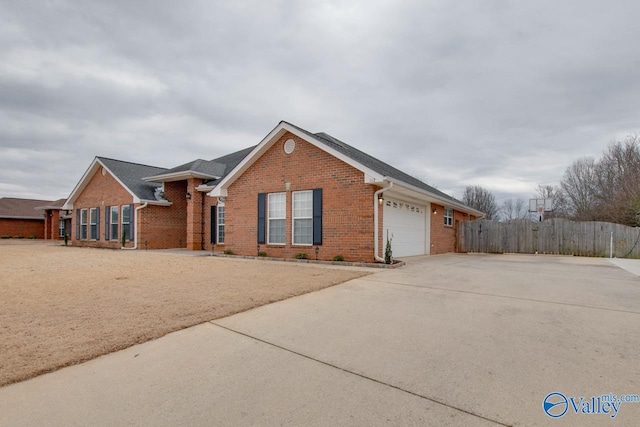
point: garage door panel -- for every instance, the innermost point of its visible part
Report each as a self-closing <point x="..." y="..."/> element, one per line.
<point x="406" y="225"/>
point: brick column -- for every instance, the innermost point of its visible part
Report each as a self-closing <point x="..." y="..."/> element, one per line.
<point x="194" y="215"/>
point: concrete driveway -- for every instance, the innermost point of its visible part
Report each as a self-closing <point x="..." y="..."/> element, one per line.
<point x="469" y="340"/>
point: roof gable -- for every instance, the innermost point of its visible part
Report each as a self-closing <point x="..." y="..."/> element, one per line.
<point x="128" y="175"/>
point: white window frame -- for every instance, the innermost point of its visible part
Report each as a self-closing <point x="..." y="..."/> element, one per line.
<point x="93" y="223"/>
<point x="83" y="224"/>
<point x="278" y="218"/>
<point x="448" y="217"/>
<point x="220" y="221"/>
<point x="301" y="217"/>
<point x="61" y="227"/>
<point x="122" y="223"/>
<point x="113" y="224"/>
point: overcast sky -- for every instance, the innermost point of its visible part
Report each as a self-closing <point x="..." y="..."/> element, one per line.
<point x="504" y="94"/>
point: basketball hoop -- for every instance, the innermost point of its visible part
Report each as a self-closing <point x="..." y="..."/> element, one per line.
<point x="540" y="210"/>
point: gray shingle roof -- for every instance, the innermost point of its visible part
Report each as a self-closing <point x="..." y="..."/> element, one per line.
<point x="131" y="174"/>
<point x="230" y="161"/>
<point x="11" y="207"/>
<point x="206" y="167"/>
<point x="372" y="163"/>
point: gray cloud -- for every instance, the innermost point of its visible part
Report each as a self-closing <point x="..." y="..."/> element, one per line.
<point x="499" y="93"/>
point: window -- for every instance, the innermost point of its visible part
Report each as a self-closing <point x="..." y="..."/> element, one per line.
<point x="83" y="224"/>
<point x="448" y="216"/>
<point x="93" y="219"/>
<point x="276" y="214"/>
<point x="126" y="221"/>
<point x="302" y="217"/>
<point x="220" y="224"/>
<point x="113" y="223"/>
<point x="61" y="229"/>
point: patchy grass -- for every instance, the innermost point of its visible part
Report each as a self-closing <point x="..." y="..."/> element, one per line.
<point x="63" y="305"/>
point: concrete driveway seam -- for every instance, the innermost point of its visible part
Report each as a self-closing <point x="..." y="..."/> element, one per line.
<point x="505" y="296"/>
<point x="365" y="377"/>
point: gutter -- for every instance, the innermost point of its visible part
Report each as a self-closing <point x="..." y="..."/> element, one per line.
<point x="135" y="237"/>
<point x="376" y="221"/>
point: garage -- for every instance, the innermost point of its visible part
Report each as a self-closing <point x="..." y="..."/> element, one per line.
<point x="406" y="223"/>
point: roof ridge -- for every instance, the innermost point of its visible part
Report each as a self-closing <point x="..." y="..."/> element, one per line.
<point x="131" y="163"/>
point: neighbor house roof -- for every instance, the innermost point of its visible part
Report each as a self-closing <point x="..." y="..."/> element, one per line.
<point x="14" y="208"/>
<point x="375" y="171"/>
<point x="129" y="175"/>
<point x="55" y="205"/>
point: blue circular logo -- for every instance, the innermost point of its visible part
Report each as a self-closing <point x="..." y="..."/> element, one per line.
<point x="555" y="405"/>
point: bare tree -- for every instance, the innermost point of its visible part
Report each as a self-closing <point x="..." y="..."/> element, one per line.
<point x="618" y="182"/>
<point x="559" y="206"/>
<point x="513" y="209"/>
<point x="579" y="186"/>
<point x="481" y="199"/>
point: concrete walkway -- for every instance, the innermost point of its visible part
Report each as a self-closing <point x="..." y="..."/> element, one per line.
<point x="473" y="340"/>
<point x="631" y="265"/>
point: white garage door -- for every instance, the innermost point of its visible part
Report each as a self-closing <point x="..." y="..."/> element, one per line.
<point x="407" y="225"/>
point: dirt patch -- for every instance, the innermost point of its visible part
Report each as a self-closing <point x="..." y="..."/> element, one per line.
<point x="62" y="305"/>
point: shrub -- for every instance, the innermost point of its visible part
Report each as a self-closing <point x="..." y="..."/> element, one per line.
<point x="338" y="258"/>
<point x="301" y="255"/>
<point x="262" y="253"/>
<point x="4" y="236"/>
<point x="228" y="252"/>
<point x="18" y="237"/>
<point x="32" y="237"/>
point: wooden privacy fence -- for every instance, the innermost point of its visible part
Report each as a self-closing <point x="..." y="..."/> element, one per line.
<point x="552" y="236"/>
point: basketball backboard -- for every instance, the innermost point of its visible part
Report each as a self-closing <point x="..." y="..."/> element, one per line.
<point x="537" y="205"/>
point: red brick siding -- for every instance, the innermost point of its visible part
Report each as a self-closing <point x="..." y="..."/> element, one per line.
<point x="163" y="227"/>
<point x="347" y="203"/>
<point x="443" y="237"/>
<point x="22" y="227"/>
<point x="101" y="191"/>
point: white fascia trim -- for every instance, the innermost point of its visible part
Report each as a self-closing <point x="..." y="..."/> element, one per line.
<point x="204" y="188"/>
<point x="434" y="197"/>
<point x="93" y="168"/>
<point x="157" y="202"/>
<point x="179" y="176"/>
<point x="370" y="176"/>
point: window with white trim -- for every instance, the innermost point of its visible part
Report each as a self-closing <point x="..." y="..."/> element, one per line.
<point x="61" y="229"/>
<point x="93" y="221"/>
<point x="302" y="217"/>
<point x="114" y="218"/>
<point x="277" y="216"/>
<point x="220" y="233"/>
<point x="83" y="224"/>
<point x="448" y="216"/>
<point x="126" y="221"/>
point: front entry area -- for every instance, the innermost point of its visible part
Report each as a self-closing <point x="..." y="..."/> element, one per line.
<point x="407" y="225"/>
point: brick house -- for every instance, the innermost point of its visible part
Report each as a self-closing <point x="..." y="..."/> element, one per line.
<point x="294" y="192"/>
<point x="25" y="217"/>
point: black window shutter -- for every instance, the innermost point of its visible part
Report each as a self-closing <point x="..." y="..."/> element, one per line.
<point x="77" y="224"/>
<point x="132" y="222"/>
<point x="317" y="216"/>
<point x="98" y="223"/>
<point x="214" y="222"/>
<point x="262" y="205"/>
<point x="107" y="227"/>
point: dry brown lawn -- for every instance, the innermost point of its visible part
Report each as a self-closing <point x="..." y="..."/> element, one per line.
<point x="63" y="305"/>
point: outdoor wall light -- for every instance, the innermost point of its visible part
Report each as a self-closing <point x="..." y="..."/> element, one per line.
<point x="188" y="196"/>
<point x="435" y="211"/>
<point x="380" y="199"/>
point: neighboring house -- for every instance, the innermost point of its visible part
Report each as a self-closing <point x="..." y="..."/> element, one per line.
<point x="22" y="218"/>
<point x="294" y="192"/>
<point x="57" y="222"/>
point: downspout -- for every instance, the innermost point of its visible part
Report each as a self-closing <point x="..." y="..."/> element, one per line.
<point x="376" y="221"/>
<point x="135" y="218"/>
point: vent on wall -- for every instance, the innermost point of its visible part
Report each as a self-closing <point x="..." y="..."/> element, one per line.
<point x="289" y="146"/>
